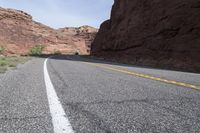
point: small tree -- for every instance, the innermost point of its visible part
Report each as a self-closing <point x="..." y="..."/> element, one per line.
<point x="37" y="50"/>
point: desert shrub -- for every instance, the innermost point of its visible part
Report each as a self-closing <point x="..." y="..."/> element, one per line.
<point x="37" y="50"/>
<point x="3" y="62"/>
<point x="2" y="49"/>
<point x="57" y="52"/>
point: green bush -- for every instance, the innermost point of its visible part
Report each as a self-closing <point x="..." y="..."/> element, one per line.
<point x="37" y="50"/>
<point x="3" y="62"/>
<point x="2" y="49"/>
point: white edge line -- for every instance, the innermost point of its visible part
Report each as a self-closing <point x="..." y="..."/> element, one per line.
<point x="60" y="121"/>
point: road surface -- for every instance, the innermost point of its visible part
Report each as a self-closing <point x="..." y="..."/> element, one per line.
<point x="75" y="94"/>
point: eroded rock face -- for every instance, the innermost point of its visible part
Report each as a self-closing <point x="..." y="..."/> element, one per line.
<point x="19" y="33"/>
<point x="152" y="32"/>
<point x="86" y="33"/>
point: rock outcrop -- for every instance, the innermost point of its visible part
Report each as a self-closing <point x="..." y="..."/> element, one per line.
<point x="152" y="32"/>
<point x="86" y="33"/>
<point x="19" y="33"/>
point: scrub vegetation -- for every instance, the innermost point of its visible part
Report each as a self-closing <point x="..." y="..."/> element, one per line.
<point x="2" y="49"/>
<point x="37" y="50"/>
<point x="7" y="62"/>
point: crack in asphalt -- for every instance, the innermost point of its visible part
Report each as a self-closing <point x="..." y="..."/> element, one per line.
<point x="144" y="101"/>
<point x="94" y="119"/>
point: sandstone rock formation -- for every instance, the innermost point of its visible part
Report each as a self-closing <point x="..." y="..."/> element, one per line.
<point x="19" y="33"/>
<point x="86" y="33"/>
<point x="152" y="32"/>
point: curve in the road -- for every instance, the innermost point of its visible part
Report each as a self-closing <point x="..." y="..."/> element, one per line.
<point x="147" y="76"/>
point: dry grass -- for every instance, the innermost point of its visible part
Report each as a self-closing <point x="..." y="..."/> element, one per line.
<point x="11" y="62"/>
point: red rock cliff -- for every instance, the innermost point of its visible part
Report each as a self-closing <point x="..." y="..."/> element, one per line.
<point x="152" y="32"/>
<point x="19" y="33"/>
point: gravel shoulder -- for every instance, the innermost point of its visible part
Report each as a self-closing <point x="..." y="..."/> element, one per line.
<point x="10" y="62"/>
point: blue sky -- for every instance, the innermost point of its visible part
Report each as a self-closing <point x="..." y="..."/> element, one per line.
<point x="64" y="13"/>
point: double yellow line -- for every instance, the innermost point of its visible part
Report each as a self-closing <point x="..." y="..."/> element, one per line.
<point x="147" y="76"/>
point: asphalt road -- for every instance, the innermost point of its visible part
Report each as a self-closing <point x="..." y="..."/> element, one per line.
<point x="99" y="97"/>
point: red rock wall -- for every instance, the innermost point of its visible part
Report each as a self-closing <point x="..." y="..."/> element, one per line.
<point x="152" y="32"/>
<point x="19" y="33"/>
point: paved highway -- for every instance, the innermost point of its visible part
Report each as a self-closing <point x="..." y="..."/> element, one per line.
<point x="72" y="94"/>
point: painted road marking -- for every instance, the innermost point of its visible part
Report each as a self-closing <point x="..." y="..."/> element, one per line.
<point x="147" y="76"/>
<point x="59" y="119"/>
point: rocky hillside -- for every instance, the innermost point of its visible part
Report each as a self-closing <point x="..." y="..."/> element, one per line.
<point x="152" y="32"/>
<point x="19" y="33"/>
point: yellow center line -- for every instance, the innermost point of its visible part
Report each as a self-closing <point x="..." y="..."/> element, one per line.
<point x="147" y="76"/>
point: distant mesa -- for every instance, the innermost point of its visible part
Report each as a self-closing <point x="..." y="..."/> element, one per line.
<point x="19" y="33"/>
